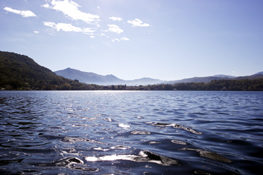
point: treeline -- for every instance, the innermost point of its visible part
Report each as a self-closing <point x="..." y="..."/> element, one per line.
<point x="56" y="84"/>
<point x="214" y="85"/>
<point x="66" y="84"/>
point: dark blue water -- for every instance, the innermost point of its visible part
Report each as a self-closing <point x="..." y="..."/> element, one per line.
<point x="131" y="132"/>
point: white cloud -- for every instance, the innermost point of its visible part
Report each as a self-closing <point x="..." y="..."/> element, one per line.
<point x="125" y="39"/>
<point x="49" y="24"/>
<point x="122" y="39"/>
<point x="63" y="26"/>
<point x="115" y="18"/>
<point x="87" y="30"/>
<point x="113" y="40"/>
<point x="138" y="23"/>
<point x="46" y="6"/>
<point x="26" y="13"/>
<point x="68" y="28"/>
<point x="36" y="32"/>
<point x="70" y="9"/>
<point x="115" y="28"/>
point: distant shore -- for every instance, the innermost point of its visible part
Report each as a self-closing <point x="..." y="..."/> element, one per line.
<point x="215" y="85"/>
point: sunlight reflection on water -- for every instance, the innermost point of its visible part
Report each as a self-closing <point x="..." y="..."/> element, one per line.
<point x="159" y="132"/>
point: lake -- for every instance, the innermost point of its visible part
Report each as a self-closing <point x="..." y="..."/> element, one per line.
<point x="131" y="132"/>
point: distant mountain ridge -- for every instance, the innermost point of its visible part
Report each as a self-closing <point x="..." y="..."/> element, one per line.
<point x="19" y="72"/>
<point x="216" y="77"/>
<point x="259" y="73"/>
<point x="92" y="78"/>
<point x="87" y="77"/>
<point x="224" y="76"/>
<point x="197" y="79"/>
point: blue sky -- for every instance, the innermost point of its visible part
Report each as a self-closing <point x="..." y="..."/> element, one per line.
<point x="163" y="39"/>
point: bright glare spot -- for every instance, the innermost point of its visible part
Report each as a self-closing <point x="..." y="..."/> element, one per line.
<point x="123" y="125"/>
<point x="91" y="159"/>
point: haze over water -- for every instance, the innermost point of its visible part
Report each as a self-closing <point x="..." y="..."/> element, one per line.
<point x="131" y="132"/>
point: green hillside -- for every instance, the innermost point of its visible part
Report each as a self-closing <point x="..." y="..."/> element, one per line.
<point x="19" y="72"/>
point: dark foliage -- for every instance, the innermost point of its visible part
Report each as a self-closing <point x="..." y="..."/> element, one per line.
<point x="19" y="72"/>
<point x="214" y="85"/>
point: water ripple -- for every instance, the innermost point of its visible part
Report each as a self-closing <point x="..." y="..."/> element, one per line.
<point x="131" y="132"/>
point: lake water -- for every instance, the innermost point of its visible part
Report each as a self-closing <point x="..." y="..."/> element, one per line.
<point x="131" y="132"/>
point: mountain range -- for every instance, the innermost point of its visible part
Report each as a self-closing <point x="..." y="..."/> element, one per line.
<point x="20" y="72"/>
<point x="92" y="78"/>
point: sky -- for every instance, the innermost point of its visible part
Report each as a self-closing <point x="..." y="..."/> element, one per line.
<point x="131" y="39"/>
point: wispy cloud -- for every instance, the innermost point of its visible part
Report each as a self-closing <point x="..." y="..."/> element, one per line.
<point x="125" y="39"/>
<point x="68" y="28"/>
<point x="138" y="23"/>
<point x="63" y="26"/>
<point x="25" y="13"/>
<point x="122" y="39"/>
<point x="115" y="39"/>
<point x="36" y="32"/>
<point x="71" y="9"/>
<point x="115" y="18"/>
<point x="115" y="28"/>
<point x="88" y="30"/>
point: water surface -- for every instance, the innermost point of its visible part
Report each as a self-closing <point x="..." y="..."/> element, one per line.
<point x="131" y="132"/>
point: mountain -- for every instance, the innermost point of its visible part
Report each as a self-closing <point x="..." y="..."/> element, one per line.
<point x="92" y="78"/>
<point x="250" y="77"/>
<point x="20" y="72"/>
<point x="197" y="79"/>
<point x="144" y="81"/>
<point x="259" y="73"/>
<point x="216" y="77"/>
<point x="224" y="76"/>
<point x="88" y="77"/>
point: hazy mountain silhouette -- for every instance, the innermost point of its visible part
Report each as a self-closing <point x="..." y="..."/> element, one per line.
<point x="224" y="76"/>
<point x="215" y="77"/>
<point x="198" y="79"/>
<point x="88" y="77"/>
<point x="259" y="73"/>
<point x="92" y="78"/>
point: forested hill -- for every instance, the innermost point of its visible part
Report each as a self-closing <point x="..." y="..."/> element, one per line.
<point x="19" y="72"/>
